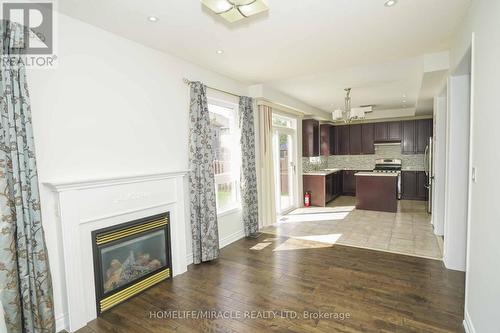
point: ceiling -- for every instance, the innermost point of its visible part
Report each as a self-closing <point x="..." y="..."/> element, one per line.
<point x="309" y="50"/>
<point x="384" y="86"/>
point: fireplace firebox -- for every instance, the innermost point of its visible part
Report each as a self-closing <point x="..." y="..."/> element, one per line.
<point x="129" y="258"/>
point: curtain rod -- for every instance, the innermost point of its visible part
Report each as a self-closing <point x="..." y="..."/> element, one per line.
<point x="188" y="82"/>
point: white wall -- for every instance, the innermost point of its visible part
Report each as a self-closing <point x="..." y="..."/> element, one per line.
<point x="483" y="270"/>
<point x="112" y="107"/>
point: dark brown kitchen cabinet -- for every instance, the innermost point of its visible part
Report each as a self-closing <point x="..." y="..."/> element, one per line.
<point x="323" y="188"/>
<point x="367" y="138"/>
<point x="332" y="186"/>
<point x="310" y="138"/>
<point x="349" y="182"/>
<point x="414" y="185"/>
<point x="343" y="139"/>
<point x="325" y="140"/>
<point x="394" y="131"/>
<point x="359" y="139"/>
<point x="415" y="136"/>
<point x="408" y="137"/>
<point x="337" y="187"/>
<point x="333" y="140"/>
<point x="387" y="131"/>
<point x="380" y="132"/>
<point x="422" y="183"/>
<point x="423" y="132"/>
<point x="355" y="140"/>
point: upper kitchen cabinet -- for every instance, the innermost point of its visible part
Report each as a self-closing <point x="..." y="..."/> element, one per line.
<point x="355" y="144"/>
<point x="359" y="139"/>
<point x="387" y="131"/>
<point x="326" y="141"/>
<point x="342" y="136"/>
<point x="416" y="134"/>
<point x="380" y="130"/>
<point x="394" y="131"/>
<point x="423" y="133"/>
<point x="367" y="138"/>
<point x="333" y="140"/>
<point x="310" y="138"/>
<point x="408" y="137"/>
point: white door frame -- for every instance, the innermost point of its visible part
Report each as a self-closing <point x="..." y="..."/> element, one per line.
<point x="293" y="154"/>
<point x="471" y="167"/>
<point x="460" y="91"/>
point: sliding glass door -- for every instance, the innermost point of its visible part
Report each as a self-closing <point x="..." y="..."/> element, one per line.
<point x="285" y="175"/>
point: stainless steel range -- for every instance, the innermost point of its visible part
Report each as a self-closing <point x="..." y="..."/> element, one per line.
<point x="390" y="165"/>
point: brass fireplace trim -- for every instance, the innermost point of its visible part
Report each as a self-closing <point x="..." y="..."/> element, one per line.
<point x="112" y="236"/>
<point x="109" y="302"/>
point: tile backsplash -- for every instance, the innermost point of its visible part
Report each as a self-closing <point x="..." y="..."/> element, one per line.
<point x="363" y="162"/>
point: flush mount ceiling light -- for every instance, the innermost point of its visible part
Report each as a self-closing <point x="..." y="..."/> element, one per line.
<point x="235" y="10"/>
<point x="152" y="19"/>
<point x="390" y="3"/>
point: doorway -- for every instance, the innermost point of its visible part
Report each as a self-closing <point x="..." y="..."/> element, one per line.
<point x="285" y="163"/>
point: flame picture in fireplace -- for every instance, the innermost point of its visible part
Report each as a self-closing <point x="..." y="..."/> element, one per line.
<point x="129" y="258"/>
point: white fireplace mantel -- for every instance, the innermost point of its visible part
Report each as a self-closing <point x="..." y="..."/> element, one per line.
<point x="87" y="205"/>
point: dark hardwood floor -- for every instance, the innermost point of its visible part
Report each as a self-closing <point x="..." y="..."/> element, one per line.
<point x="380" y="292"/>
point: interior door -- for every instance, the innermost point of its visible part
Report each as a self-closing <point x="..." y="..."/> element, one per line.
<point x="285" y="170"/>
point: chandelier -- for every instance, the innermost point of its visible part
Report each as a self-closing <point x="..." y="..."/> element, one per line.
<point x="349" y="114"/>
<point x="235" y="10"/>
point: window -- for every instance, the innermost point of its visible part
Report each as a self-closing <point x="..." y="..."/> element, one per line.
<point x="226" y="155"/>
<point x="283" y="121"/>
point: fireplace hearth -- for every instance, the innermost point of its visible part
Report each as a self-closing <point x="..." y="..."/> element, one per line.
<point x="129" y="258"/>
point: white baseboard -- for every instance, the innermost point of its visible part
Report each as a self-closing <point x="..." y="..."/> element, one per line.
<point x="453" y="263"/>
<point x="469" y="328"/>
<point x="223" y="242"/>
<point x="189" y="258"/>
<point x="61" y="322"/>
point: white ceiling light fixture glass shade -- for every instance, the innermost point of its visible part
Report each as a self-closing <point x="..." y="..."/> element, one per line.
<point x="349" y="114"/>
<point x="390" y="3"/>
<point x="235" y="10"/>
<point x="337" y="115"/>
<point x="218" y="6"/>
<point x="254" y="8"/>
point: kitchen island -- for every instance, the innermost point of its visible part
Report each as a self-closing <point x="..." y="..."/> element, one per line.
<point x="324" y="185"/>
<point x="377" y="191"/>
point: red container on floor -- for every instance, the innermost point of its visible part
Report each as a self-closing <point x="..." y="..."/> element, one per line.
<point x="307" y="199"/>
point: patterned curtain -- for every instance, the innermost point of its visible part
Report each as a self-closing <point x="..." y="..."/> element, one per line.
<point x="25" y="281"/>
<point x="249" y="198"/>
<point x="203" y="210"/>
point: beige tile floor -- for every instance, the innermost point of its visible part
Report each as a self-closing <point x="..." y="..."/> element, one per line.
<point x="409" y="231"/>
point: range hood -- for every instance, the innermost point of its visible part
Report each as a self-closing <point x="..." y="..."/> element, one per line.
<point x="387" y="143"/>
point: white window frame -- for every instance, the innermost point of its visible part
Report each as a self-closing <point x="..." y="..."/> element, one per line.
<point x="237" y="163"/>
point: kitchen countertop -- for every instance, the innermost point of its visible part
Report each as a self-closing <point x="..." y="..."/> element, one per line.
<point x="376" y="174"/>
<point x="325" y="172"/>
